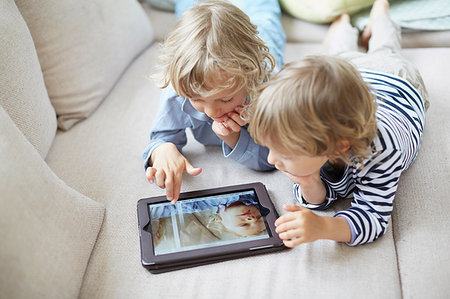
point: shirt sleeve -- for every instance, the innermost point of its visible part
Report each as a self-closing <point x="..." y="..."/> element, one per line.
<point x="169" y="126"/>
<point x="331" y="197"/>
<point x="373" y="197"/>
<point x="248" y="153"/>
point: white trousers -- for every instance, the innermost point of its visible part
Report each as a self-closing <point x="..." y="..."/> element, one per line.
<point x="384" y="51"/>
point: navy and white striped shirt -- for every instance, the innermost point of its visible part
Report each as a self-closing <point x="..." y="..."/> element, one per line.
<point x="400" y="121"/>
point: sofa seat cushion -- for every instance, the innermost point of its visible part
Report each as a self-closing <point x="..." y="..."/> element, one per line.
<point x="101" y="157"/>
<point x="47" y="230"/>
<point x="83" y="47"/>
<point x="422" y="205"/>
<point x="22" y="93"/>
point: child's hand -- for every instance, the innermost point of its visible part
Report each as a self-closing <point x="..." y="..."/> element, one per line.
<point x="168" y="167"/>
<point x="229" y="130"/>
<point x="299" y="226"/>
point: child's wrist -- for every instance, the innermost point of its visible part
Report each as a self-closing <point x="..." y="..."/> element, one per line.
<point x="231" y="140"/>
<point x="335" y="228"/>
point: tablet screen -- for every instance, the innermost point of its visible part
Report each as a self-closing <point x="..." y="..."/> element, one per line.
<point x="208" y="221"/>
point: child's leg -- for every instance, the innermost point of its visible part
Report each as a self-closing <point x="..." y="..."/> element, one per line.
<point x="266" y="15"/>
<point x="182" y="5"/>
<point x="341" y="37"/>
<point x="384" y="53"/>
<point x="386" y="35"/>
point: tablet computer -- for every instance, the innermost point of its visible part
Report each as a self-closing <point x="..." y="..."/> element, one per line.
<point x="206" y="226"/>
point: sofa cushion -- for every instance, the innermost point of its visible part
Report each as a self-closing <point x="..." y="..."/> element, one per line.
<point x="322" y="11"/>
<point x="112" y="172"/>
<point x="22" y="93"/>
<point x="83" y="47"/>
<point x="422" y="205"/>
<point x="47" y="230"/>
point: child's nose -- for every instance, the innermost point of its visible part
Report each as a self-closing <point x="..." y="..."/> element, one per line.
<point x="212" y="111"/>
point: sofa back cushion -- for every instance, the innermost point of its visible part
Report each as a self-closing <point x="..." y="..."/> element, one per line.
<point x="47" y="229"/>
<point x="22" y="90"/>
<point x="83" y="47"/>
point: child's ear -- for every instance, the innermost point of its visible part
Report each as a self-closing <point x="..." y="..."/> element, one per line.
<point x="343" y="145"/>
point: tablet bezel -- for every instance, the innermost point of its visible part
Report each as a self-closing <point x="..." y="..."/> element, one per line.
<point x="152" y="261"/>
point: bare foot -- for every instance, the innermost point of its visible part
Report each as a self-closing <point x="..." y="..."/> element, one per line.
<point x="379" y="7"/>
<point x="344" y="18"/>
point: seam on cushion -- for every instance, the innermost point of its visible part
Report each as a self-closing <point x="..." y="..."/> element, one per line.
<point x="394" y="230"/>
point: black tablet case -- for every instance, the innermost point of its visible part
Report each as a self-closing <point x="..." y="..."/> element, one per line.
<point x="216" y="254"/>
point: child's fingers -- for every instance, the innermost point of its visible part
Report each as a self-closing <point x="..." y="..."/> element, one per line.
<point x="232" y="125"/>
<point x="293" y="208"/>
<point x="290" y="234"/>
<point x="236" y="117"/>
<point x="176" y="188"/>
<point x="220" y="129"/>
<point x="150" y="173"/>
<point x="287" y="226"/>
<point x="160" y="177"/>
<point x="285" y="218"/>
<point x="242" y="111"/>
<point x="191" y="169"/>
<point x="169" y="183"/>
<point x="293" y="242"/>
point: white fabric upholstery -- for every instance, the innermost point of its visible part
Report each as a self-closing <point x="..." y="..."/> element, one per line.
<point x="421" y="217"/>
<point x="47" y="230"/>
<point x="118" y="181"/>
<point x="100" y="158"/>
<point x="83" y="47"/>
<point x="22" y="89"/>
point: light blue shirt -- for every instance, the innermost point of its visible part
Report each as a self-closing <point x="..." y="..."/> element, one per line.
<point x="176" y="113"/>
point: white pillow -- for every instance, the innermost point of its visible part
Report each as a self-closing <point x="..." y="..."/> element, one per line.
<point x="322" y="11"/>
<point x="47" y="230"/>
<point x="83" y="47"/>
<point x="22" y="89"/>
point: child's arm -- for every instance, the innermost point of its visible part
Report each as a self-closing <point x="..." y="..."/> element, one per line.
<point x="162" y="157"/>
<point x="238" y="145"/>
<point x="302" y="225"/>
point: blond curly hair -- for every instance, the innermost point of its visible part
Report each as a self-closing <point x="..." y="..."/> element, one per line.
<point x="314" y="107"/>
<point x="214" y="47"/>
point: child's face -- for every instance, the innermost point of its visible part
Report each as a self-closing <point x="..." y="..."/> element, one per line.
<point x="243" y="220"/>
<point x="294" y="165"/>
<point x="220" y="105"/>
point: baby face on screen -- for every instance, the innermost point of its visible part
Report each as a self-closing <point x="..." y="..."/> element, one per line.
<point x="242" y="219"/>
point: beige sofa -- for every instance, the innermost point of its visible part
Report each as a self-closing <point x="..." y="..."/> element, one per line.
<point x="68" y="225"/>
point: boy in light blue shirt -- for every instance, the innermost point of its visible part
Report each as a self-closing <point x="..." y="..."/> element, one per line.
<point x="211" y="65"/>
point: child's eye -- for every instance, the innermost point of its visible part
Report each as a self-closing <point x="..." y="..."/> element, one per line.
<point x="226" y="100"/>
<point x="245" y="224"/>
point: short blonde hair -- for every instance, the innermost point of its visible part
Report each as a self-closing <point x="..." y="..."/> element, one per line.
<point x="311" y="106"/>
<point x="214" y="47"/>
